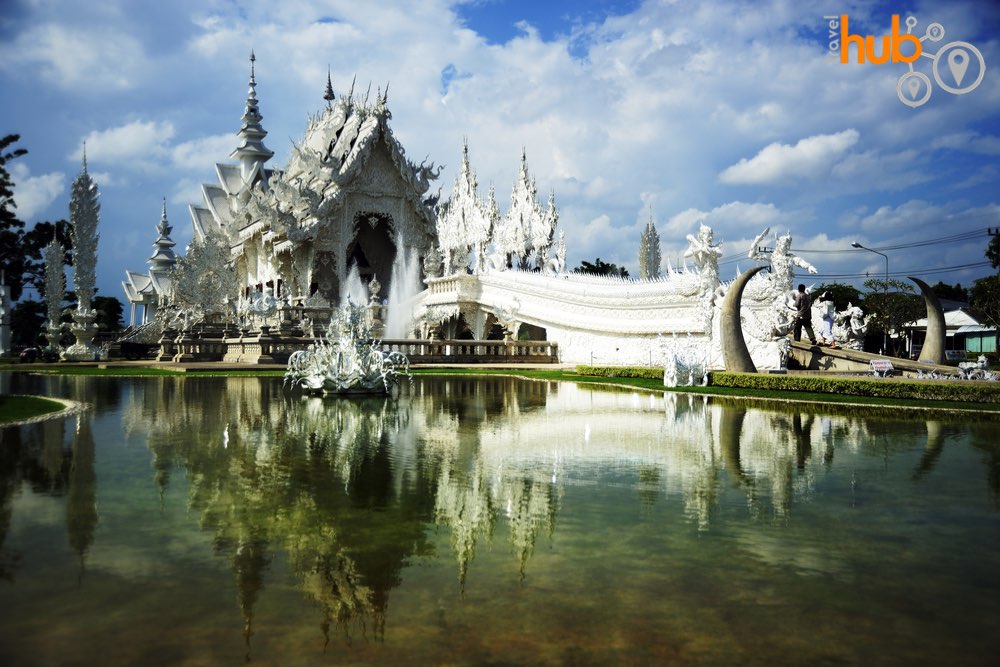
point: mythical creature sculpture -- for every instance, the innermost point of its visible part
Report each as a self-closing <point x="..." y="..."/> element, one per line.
<point x="348" y="360"/>
<point x="684" y="362"/>
<point x="706" y="256"/>
<point x="783" y="262"/>
<point x="425" y="174"/>
<point x="260" y="306"/>
<point x="850" y="326"/>
<point x="433" y="263"/>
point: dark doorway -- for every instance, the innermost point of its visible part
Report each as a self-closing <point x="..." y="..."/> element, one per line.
<point x="373" y="248"/>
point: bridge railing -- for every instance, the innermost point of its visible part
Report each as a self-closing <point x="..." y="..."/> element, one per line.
<point x="474" y="351"/>
<point x="265" y="347"/>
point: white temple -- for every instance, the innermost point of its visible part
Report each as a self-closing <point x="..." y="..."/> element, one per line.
<point x="148" y="289"/>
<point x="349" y="198"/>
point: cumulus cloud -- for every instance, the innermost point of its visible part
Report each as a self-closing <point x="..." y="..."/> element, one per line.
<point x="808" y="159"/>
<point x="735" y="215"/>
<point x="144" y="142"/>
<point x="98" y="58"/>
<point x="616" y="112"/>
<point x="914" y="214"/>
<point x="34" y="194"/>
<point x="204" y="151"/>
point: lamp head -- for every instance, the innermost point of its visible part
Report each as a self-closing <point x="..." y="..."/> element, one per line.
<point x="856" y="245"/>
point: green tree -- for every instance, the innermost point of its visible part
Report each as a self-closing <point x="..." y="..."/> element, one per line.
<point x="11" y="227"/>
<point x="26" y="320"/>
<point x="841" y="295"/>
<point x="985" y="297"/>
<point x="892" y="305"/>
<point x="952" y="292"/>
<point x="600" y="268"/>
<point x="993" y="251"/>
<point x="109" y="313"/>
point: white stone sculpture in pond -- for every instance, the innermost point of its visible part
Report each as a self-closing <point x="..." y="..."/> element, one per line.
<point x="348" y="360"/>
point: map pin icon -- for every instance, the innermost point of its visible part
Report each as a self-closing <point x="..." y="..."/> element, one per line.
<point x="958" y="62"/>
<point x="914" y="87"/>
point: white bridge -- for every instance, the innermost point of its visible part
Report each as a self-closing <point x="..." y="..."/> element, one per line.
<point x="594" y="319"/>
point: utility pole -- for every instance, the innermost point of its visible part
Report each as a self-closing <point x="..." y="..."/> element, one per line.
<point x="994" y="232"/>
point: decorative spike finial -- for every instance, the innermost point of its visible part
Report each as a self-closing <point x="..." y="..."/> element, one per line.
<point x="328" y="93"/>
<point x="253" y="59"/>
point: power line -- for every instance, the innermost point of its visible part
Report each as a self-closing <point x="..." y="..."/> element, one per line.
<point x="902" y="246"/>
<point x="903" y="274"/>
<point x="954" y="238"/>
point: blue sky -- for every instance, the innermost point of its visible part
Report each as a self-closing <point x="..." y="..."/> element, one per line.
<point x="723" y="112"/>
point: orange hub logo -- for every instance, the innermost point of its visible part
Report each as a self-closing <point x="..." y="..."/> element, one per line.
<point x="965" y="64"/>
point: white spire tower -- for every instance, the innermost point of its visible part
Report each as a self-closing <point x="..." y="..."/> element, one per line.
<point x="251" y="152"/>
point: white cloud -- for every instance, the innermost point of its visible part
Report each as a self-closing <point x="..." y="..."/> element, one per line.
<point x="93" y="59"/>
<point x="776" y="163"/>
<point x="736" y="215"/>
<point x="186" y="191"/>
<point x="914" y="215"/>
<point x="34" y="194"/>
<point x="648" y="107"/>
<point x="969" y="141"/>
<point x="199" y="153"/>
<point x="143" y="142"/>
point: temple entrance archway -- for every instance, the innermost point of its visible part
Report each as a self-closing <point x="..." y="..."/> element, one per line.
<point x="373" y="248"/>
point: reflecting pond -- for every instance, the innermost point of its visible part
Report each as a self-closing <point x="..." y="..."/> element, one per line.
<point x="201" y="521"/>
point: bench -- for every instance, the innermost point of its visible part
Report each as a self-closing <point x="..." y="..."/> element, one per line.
<point x="881" y="368"/>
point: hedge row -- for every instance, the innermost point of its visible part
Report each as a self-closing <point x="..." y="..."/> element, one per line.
<point x="621" y="372"/>
<point x="923" y="390"/>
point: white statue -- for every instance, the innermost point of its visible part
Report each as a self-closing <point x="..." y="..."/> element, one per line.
<point x="782" y="261"/>
<point x="850" y="326"/>
<point x="706" y="255"/>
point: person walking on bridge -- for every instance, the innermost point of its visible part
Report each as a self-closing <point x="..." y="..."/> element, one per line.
<point x="801" y="303"/>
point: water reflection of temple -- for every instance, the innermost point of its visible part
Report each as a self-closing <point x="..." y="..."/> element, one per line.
<point x="350" y="490"/>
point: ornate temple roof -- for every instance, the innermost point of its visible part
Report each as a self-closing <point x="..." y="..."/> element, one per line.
<point x="333" y="151"/>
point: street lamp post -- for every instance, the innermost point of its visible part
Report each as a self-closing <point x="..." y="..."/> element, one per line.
<point x="885" y="288"/>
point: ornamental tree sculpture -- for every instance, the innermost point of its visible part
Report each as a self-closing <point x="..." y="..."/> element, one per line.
<point x="649" y="252"/>
<point x="84" y="214"/>
<point x="55" y="289"/>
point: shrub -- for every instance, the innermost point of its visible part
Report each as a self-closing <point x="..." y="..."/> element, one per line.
<point x="921" y="390"/>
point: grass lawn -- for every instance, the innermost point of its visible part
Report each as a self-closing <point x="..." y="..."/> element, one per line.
<point x="17" y="408"/>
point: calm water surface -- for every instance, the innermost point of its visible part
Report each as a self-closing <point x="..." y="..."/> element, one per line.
<point x="491" y="521"/>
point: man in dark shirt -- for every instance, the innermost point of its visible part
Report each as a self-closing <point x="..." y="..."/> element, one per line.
<point x="803" y="314"/>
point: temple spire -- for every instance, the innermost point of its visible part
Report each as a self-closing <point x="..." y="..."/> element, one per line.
<point x="251" y="151"/>
<point x="163" y="257"/>
<point x="328" y="93"/>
